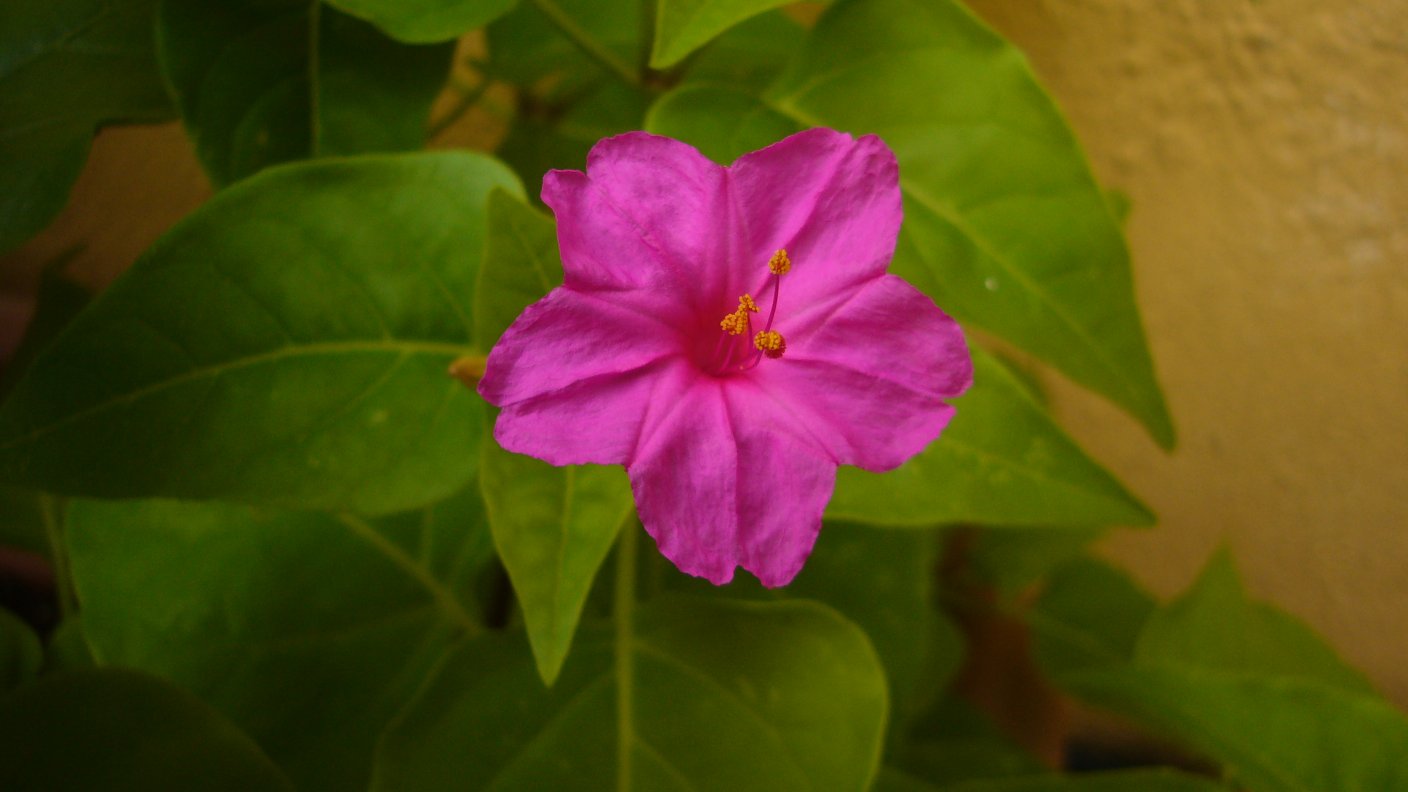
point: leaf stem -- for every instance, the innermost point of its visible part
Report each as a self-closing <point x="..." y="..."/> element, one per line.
<point x="437" y="590"/>
<point x="623" y="612"/>
<point x="49" y="509"/>
<point x="586" y="42"/>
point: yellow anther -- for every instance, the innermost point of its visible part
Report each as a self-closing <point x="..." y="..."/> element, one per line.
<point x="735" y="323"/>
<point x="770" y="342"/>
<point x="746" y="302"/>
<point x="779" y="264"/>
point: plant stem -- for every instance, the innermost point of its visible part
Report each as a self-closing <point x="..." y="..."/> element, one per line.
<point x="586" y="43"/>
<point x="63" y="576"/>
<point x="623" y="611"/>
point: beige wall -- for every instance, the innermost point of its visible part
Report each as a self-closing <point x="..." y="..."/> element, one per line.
<point x="1265" y="147"/>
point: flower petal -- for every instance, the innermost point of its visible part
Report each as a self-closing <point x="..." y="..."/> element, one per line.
<point x="783" y="486"/>
<point x="718" y="488"/>
<point x="650" y="211"/>
<point x="832" y="201"/>
<point x="569" y="336"/>
<point x="685" y="480"/>
<point x="595" y="421"/>
<point x="870" y="377"/>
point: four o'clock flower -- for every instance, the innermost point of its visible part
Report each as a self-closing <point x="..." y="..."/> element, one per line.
<point x="730" y="335"/>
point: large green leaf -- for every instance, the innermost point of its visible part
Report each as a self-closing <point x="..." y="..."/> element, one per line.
<point x="521" y="264"/>
<point x="1090" y="615"/>
<point x="1012" y="558"/>
<point x="1260" y="695"/>
<point x="527" y="47"/>
<point x="682" y="26"/>
<point x="723" y="123"/>
<point x="883" y="580"/>
<point x="1004" y="224"/>
<point x="558" y="133"/>
<point x="1215" y="625"/>
<point x="954" y="742"/>
<point x="66" y="67"/>
<point x="1272" y="733"/>
<point x="1143" y="780"/>
<point x="122" y="731"/>
<point x="1002" y="461"/>
<point x="260" y="82"/>
<point x="308" y="631"/>
<point x="750" y="53"/>
<point x="553" y="526"/>
<point x="715" y="696"/>
<point x="286" y="344"/>
<point x="420" y="21"/>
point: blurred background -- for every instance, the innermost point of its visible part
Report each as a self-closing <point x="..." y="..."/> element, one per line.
<point x="1263" y="145"/>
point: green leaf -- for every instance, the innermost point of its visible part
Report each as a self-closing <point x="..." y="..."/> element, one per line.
<point x="521" y="264"/>
<point x="286" y="344"/>
<point x="883" y="580"/>
<point x="954" y="742"/>
<point x="66" y="68"/>
<point x="752" y="53"/>
<point x="1143" y="780"/>
<point x="1274" y="734"/>
<point x="548" y="134"/>
<point x="1090" y="615"/>
<point x="682" y="26"/>
<point x="1011" y="558"/>
<point x="120" y="730"/>
<point x="1002" y="461"/>
<point x="308" y="631"/>
<point x="723" y="123"/>
<point x="422" y="21"/>
<point x="68" y="648"/>
<point x="1004" y="224"/>
<point x="260" y="82"/>
<point x="20" y="653"/>
<point x="726" y="696"/>
<point x="553" y="526"/>
<point x="527" y="48"/>
<point x="1215" y="625"/>
<point x="1272" y="705"/>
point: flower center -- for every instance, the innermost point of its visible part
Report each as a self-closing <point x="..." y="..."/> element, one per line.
<point x="731" y="353"/>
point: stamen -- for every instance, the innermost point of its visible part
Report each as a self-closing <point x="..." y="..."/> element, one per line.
<point x="735" y="323"/>
<point x="779" y="264"/>
<point x="770" y="343"/>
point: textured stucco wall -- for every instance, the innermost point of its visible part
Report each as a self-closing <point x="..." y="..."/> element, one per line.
<point x="1265" y="147"/>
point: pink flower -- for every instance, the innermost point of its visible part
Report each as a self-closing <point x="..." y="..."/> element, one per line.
<point x="730" y="335"/>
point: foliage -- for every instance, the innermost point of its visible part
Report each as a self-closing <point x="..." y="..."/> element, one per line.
<point x="290" y="556"/>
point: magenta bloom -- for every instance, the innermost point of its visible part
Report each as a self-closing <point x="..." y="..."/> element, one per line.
<point x="730" y="335"/>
